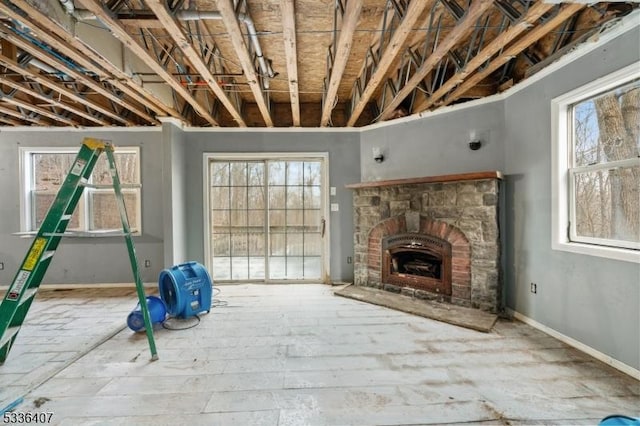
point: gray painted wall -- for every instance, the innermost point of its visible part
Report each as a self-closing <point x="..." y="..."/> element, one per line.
<point x="344" y="168"/>
<point x="593" y="300"/>
<point x="89" y="259"/>
<point x="174" y="194"/>
<point x="436" y="145"/>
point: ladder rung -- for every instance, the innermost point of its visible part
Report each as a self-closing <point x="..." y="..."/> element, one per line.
<point x="56" y="234"/>
<point x="28" y="295"/>
<point x="105" y="186"/>
<point x="103" y="233"/>
<point x="8" y="335"/>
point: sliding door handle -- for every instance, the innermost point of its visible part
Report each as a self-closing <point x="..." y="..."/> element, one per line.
<point x="323" y="225"/>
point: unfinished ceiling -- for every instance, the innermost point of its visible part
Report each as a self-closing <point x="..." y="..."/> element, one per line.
<point x="265" y="63"/>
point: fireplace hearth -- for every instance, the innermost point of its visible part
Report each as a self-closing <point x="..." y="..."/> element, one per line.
<point x="433" y="238"/>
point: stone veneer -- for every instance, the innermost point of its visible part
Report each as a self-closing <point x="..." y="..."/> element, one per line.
<point x="461" y="209"/>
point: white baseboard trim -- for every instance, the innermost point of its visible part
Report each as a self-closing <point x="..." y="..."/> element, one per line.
<point x="627" y="369"/>
<point x="80" y="286"/>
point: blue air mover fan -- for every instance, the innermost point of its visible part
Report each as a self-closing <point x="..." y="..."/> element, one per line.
<point x="186" y="289"/>
<point x="157" y="313"/>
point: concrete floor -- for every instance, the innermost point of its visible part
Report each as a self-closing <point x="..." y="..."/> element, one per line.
<point x="298" y="355"/>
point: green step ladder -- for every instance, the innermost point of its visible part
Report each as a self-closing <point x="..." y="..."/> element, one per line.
<point x="23" y="289"/>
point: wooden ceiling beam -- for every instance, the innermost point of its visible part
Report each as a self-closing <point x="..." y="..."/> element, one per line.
<point x="58" y="88"/>
<point x="39" y="110"/>
<point x="8" y="49"/>
<point x="503" y="39"/>
<point x="39" y="20"/>
<point x="227" y="11"/>
<point x="11" y="121"/>
<point x="177" y="34"/>
<point x="138" y="23"/>
<point x="343" y="48"/>
<point x="53" y="102"/>
<point x="390" y="54"/>
<point x="118" y="30"/>
<point x="594" y="28"/>
<point x="419" y="35"/>
<point x="525" y="41"/>
<point x="484" y="89"/>
<point x="57" y="37"/>
<point x="139" y="19"/>
<point x="287" y="9"/>
<point x="18" y="115"/>
<point x="51" y="60"/>
<point x="458" y="33"/>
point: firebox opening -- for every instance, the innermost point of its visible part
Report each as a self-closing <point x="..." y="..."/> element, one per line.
<point x="415" y="262"/>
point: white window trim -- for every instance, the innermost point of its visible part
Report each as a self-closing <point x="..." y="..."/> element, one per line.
<point x="560" y="155"/>
<point x="25" y="180"/>
<point x="207" y="157"/>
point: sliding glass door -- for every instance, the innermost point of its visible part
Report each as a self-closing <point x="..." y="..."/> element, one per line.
<point x="267" y="219"/>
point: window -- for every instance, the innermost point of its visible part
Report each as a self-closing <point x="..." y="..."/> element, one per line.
<point x="44" y="171"/>
<point x="596" y="147"/>
<point x="266" y="216"/>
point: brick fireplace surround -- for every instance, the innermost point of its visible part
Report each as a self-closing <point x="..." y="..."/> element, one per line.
<point x="458" y="212"/>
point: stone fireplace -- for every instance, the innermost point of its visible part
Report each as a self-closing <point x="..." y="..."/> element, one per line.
<point x="434" y="238"/>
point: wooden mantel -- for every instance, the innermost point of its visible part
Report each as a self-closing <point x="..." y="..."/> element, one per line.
<point x="428" y="179"/>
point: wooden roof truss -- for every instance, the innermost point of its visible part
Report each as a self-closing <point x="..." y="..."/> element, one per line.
<point x="241" y="63"/>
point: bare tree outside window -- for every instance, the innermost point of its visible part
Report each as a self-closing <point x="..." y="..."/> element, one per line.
<point x="97" y="209"/>
<point x="606" y="166"/>
<point x="266" y="219"/>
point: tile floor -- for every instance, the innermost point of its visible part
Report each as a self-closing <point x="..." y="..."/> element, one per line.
<point x="61" y="326"/>
<point x="298" y="355"/>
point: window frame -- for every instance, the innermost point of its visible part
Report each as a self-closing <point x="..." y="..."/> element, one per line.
<point x="27" y="176"/>
<point x="562" y="194"/>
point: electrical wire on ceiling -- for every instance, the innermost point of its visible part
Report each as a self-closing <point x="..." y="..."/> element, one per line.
<point x="201" y="39"/>
<point x="362" y="30"/>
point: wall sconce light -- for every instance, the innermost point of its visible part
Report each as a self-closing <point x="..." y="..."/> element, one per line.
<point x="378" y="156"/>
<point x="474" y="142"/>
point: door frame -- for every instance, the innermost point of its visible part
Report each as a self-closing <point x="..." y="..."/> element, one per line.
<point x="325" y="273"/>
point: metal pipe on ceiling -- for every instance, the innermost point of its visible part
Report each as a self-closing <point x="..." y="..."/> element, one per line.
<point x="42" y="66"/>
<point x="194" y="15"/>
<point x="68" y="6"/>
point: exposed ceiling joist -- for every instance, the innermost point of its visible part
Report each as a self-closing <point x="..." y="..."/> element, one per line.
<point x="55" y="36"/>
<point x="459" y="32"/>
<point x="118" y="30"/>
<point x="38" y="110"/>
<point x="11" y="121"/>
<point x="341" y="56"/>
<point x="8" y="49"/>
<point x="178" y="35"/>
<point x="395" y="46"/>
<point x="289" y="35"/>
<point x="513" y="50"/>
<point x="570" y="45"/>
<point x="54" y="102"/>
<point x="77" y="76"/>
<point x="503" y="39"/>
<point x="58" y="88"/>
<point x="235" y="34"/>
<point x="23" y="117"/>
<point x="419" y="35"/>
<point x="386" y="58"/>
<point x="140" y="20"/>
